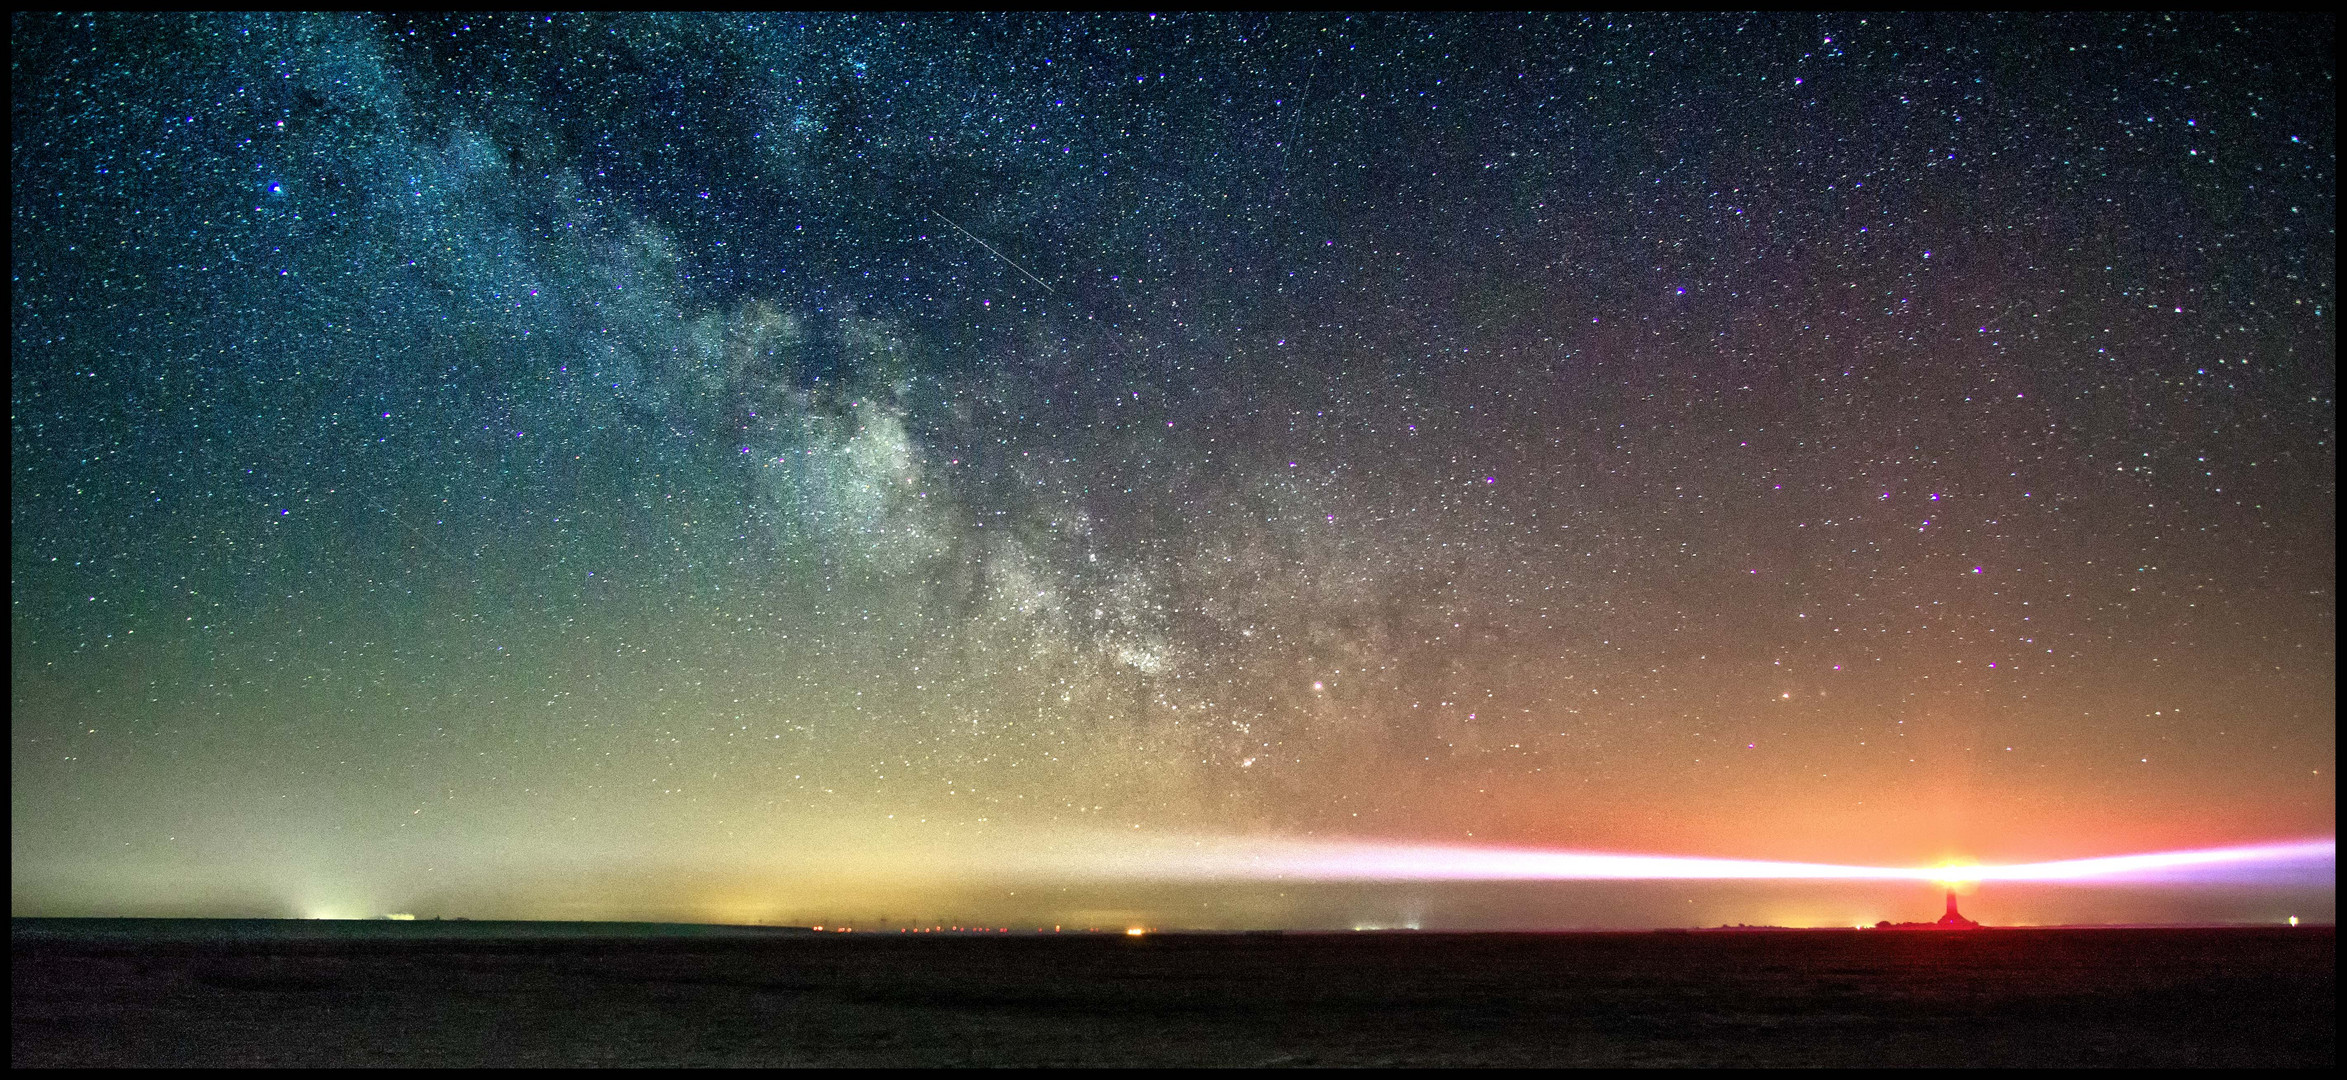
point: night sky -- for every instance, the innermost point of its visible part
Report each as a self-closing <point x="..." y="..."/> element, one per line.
<point x="765" y="467"/>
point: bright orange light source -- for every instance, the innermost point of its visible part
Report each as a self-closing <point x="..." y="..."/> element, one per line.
<point x="1957" y="874"/>
<point x="1135" y="932"/>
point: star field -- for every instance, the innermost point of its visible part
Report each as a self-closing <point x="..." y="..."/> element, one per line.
<point x="739" y="466"/>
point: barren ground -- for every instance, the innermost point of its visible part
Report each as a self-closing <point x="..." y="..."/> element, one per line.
<point x="2122" y="997"/>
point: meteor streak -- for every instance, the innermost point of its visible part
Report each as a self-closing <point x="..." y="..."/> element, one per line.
<point x="957" y="227"/>
<point x="1289" y="860"/>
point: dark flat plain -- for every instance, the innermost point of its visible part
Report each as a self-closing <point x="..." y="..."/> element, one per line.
<point x="2091" y="997"/>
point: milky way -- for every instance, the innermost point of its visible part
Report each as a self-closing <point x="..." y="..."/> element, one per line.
<point x="737" y="466"/>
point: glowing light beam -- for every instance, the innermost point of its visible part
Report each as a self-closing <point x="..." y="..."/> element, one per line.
<point x="2309" y="861"/>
